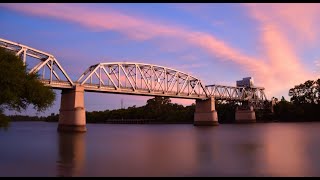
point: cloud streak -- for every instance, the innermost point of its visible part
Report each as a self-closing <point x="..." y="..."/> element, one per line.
<point x="297" y="19"/>
<point x="286" y="70"/>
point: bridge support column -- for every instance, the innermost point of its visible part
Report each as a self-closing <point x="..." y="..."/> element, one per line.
<point x="72" y="115"/>
<point x="245" y="115"/>
<point x="205" y="113"/>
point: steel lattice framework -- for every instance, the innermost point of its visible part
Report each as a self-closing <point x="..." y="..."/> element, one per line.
<point x="44" y="60"/>
<point x="236" y="93"/>
<point x="132" y="78"/>
<point x="254" y="95"/>
<point x="142" y="79"/>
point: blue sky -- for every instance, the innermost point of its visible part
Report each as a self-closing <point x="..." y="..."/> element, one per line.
<point x="276" y="44"/>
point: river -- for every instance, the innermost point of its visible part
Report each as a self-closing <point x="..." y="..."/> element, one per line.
<point x="260" y="149"/>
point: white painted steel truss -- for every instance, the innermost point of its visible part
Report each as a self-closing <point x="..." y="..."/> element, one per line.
<point x="236" y="93"/>
<point x="142" y="79"/>
<point x="45" y="60"/>
<point x="254" y="95"/>
<point x="132" y="78"/>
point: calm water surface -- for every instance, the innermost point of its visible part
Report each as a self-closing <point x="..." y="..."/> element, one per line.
<point x="261" y="149"/>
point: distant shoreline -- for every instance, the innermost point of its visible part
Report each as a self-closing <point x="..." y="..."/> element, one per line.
<point x="119" y="121"/>
<point x="150" y="121"/>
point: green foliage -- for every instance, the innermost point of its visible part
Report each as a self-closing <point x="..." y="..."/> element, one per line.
<point x="25" y="118"/>
<point x="4" y="120"/>
<point x="304" y="103"/>
<point x="226" y="111"/>
<point x="12" y="80"/>
<point x="288" y="111"/>
<point x="157" y="110"/>
<point x="306" y="93"/>
<point x="18" y="89"/>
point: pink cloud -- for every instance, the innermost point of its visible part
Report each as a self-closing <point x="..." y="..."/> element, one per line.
<point x="280" y="70"/>
<point x="299" y="19"/>
<point x="285" y="68"/>
<point x="223" y="51"/>
<point x="95" y="19"/>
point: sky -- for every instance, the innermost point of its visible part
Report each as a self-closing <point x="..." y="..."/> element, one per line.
<point x="219" y="43"/>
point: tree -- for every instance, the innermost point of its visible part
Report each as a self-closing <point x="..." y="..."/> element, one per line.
<point x="158" y="107"/>
<point x="158" y="100"/>
<point x="306" y="93"/>
<point x="18" y="89"/>
<point x="317" y="83"/>
<point x="226" y="110"/>
<point x="304" y="103"/>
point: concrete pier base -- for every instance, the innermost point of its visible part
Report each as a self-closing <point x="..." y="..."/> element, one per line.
<point x="205" y="114"/>
<point x="245" y="115"/>
<point x="72" y="117"/>
<point x="71" y="128"/>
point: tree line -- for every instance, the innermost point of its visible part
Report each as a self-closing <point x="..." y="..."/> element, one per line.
<point x="157" y="110"/>
<point x="304" y="105"/>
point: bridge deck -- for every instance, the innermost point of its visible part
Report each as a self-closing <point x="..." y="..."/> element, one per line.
<point x="142" y="92"/>
<point x="138" y="91"/>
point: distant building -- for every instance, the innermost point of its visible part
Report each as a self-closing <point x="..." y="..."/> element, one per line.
<point x="245" y="82"/>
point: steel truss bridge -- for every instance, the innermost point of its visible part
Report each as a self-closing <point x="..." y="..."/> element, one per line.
<point x="132" y="78"/>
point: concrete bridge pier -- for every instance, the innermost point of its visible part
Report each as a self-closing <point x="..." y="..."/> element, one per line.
<point x="245" y="115"/>
<point x="72" y="117"/>
<point x="206" y="113"/>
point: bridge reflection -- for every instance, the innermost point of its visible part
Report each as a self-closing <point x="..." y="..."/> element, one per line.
<point x="71" y="157"/>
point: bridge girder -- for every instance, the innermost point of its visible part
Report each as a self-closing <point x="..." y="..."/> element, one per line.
<point x="236" y="93"/>
<point x="143" y="79"/>
<point x="45" y="60"/>
<point x="254" y="95"/>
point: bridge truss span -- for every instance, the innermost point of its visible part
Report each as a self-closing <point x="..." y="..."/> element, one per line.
<point x="47" y="67"/>
<point x="141" y="79"/>
<point x="131" y="78"/>
<point x="254" y="95"/>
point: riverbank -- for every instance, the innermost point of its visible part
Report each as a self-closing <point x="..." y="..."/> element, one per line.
<point x="153" y="121"/>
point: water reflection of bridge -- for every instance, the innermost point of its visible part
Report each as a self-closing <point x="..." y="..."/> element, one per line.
<point x="71" y="154"/>
<point x="134" y="79"/>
